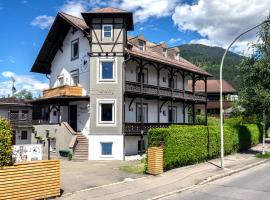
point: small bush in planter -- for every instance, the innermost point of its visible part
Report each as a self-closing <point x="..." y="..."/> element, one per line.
<point x="70" y="156"/>
<point x="6" y="135"/>
<point x="64" y="153"/>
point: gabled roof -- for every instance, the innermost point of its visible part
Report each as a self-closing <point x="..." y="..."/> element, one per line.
<point x="13" y="101"/>
<point x="61" y="25"/>
<point x="108" y="10"/>
<point x="110" y="13"/>
<point x="213" y="86"/>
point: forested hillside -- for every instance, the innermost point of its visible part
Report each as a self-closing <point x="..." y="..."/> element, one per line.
<point x="209" y="59"/>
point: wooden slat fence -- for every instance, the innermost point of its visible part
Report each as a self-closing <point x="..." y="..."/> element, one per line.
<point x="30" y="180"/>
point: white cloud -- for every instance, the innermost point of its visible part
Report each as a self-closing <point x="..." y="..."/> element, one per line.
<point x="174" y="40"/>
<point x="74" y="8"/>
<point x="220" y="21"/>
<point x="144" y="9"/>
<point x="43" y="21"/>
<point x="21" y="82"/>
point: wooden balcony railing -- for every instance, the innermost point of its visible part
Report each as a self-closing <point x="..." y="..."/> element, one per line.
<point x="135" y="87"/>
<point x="20" y="119"/>
<point x="137" y="127"/>
<point x="65" y="90"/>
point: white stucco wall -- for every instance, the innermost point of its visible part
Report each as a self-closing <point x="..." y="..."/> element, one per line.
<point x="18" y="136"/>
<point x="95" y="146"/>
<point x="131" y="144"/>
<point x="62" y="63"/>
<point x="130" y="115"/>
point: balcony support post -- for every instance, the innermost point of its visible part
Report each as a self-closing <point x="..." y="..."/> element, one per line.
<point x="158" y="101"/>
<point x="183" y="79"/>
<point x="184" y="112"/>
<point x="141" y="90"/>
<point x="205" y="107"/>
<point x="193" y="113"/>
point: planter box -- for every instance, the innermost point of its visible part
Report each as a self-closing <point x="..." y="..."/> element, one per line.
<point x="155" y="160"/>
<point x="30" y="180"/>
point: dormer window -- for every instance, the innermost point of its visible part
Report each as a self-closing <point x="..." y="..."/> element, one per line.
<point x="141" y="45"/>
<point x="75" y="49"/>
<point x="177" y="56"/>
<point x="107" y="31"/>
<point x="164" y="52"/>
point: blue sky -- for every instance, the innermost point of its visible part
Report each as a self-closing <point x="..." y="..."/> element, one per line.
<point x="25" y="24"/>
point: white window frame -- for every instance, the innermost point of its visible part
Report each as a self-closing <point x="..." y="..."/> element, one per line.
<point x="100" y="79"/>
<point x="72" y="73"/>
<point x="103" y="31"/>
<point x="58" y="80"/>
<point x="141" y="47"/>
<point x="98" y="114"/>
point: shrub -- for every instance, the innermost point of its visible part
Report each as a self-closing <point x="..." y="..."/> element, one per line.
<point x="185" y="145"/>
<point x="6" y="135"/>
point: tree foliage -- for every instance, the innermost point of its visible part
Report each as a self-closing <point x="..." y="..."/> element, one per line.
<point x="24" y="94"/>
<point x="6" y="135"/>
<point x="255" y="72"/>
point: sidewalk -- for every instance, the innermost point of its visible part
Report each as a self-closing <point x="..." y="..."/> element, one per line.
<point x="176" y="180"/>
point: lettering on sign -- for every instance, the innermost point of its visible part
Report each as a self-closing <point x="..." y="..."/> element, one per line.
<point x="27" y="152"/>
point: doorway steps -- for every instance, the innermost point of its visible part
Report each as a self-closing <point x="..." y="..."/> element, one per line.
<point x="81" y="150"/>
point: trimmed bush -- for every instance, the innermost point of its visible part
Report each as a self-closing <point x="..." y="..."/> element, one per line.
<point x="185" y="145"/>
<point x="6" y="135"/>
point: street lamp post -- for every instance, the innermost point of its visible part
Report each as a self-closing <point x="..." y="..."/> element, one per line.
<point x="221" y="88"/>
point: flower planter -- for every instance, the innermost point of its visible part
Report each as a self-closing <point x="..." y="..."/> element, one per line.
<point x="155" y="160"/>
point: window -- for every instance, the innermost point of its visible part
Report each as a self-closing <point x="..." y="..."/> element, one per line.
<point x="107" y="31"/>
<point x="177" y="56"/>
<point x="172" y="114"/>
<point x="164" y="52"/>
<point x="24" y="115"/>
<point x="144" y="76"/>
<point x="139" y="146"/>
<point x="141" y="45"/>
<point x="75" y="49"/>
<point x="142" y="116"/>
<point x="164" y="79"/>
<point x="173" y="82"/>
<point x="107" y="70"/>
<point x="74" y="77"/>
<point x="61" y="80"/>
<point x="106" y="148"/>
<point x="106" y="111"/>
<point x="24" y="135"/>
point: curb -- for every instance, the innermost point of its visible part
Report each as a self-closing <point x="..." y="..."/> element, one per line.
<point x="210" y="179"/>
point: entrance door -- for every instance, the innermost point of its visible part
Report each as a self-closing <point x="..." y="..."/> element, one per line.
<point x="73" y="117"/>
<point x="172" y="115"/>
<point x="142" y="117"/>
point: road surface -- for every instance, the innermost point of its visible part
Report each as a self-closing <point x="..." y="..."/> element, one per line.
<point x="251" y="184"/>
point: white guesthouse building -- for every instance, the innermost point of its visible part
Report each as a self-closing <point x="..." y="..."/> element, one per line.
<point x="107" y="89"/>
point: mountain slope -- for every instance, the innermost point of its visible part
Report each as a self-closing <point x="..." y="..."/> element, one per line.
<point x="209" y="59"/>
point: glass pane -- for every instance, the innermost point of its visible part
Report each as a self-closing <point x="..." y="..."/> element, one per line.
<point x="75" y="50"/>
<point x="107" y="28"/>
<point x="107" y="70"/>
<point x="106" y="148"/>
<point x="106" y="112"/>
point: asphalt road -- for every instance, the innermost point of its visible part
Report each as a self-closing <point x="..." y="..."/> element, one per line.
<point x="251" y="184"/>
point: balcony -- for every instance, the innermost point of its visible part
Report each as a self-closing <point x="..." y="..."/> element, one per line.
<point x="136" y="128"/>
<point x="20" y="119"/>
<point x="65" y="90"/>
<point x="152" y="90"/>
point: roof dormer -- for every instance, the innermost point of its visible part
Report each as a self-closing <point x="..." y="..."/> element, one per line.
<point x="138" y="41"/>
<point x="161" y="49"/>
<point x="174" y="53"/>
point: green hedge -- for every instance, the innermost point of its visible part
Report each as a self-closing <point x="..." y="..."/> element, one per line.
<point x="5" y="142"/>
<point x="185" y="145"/>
